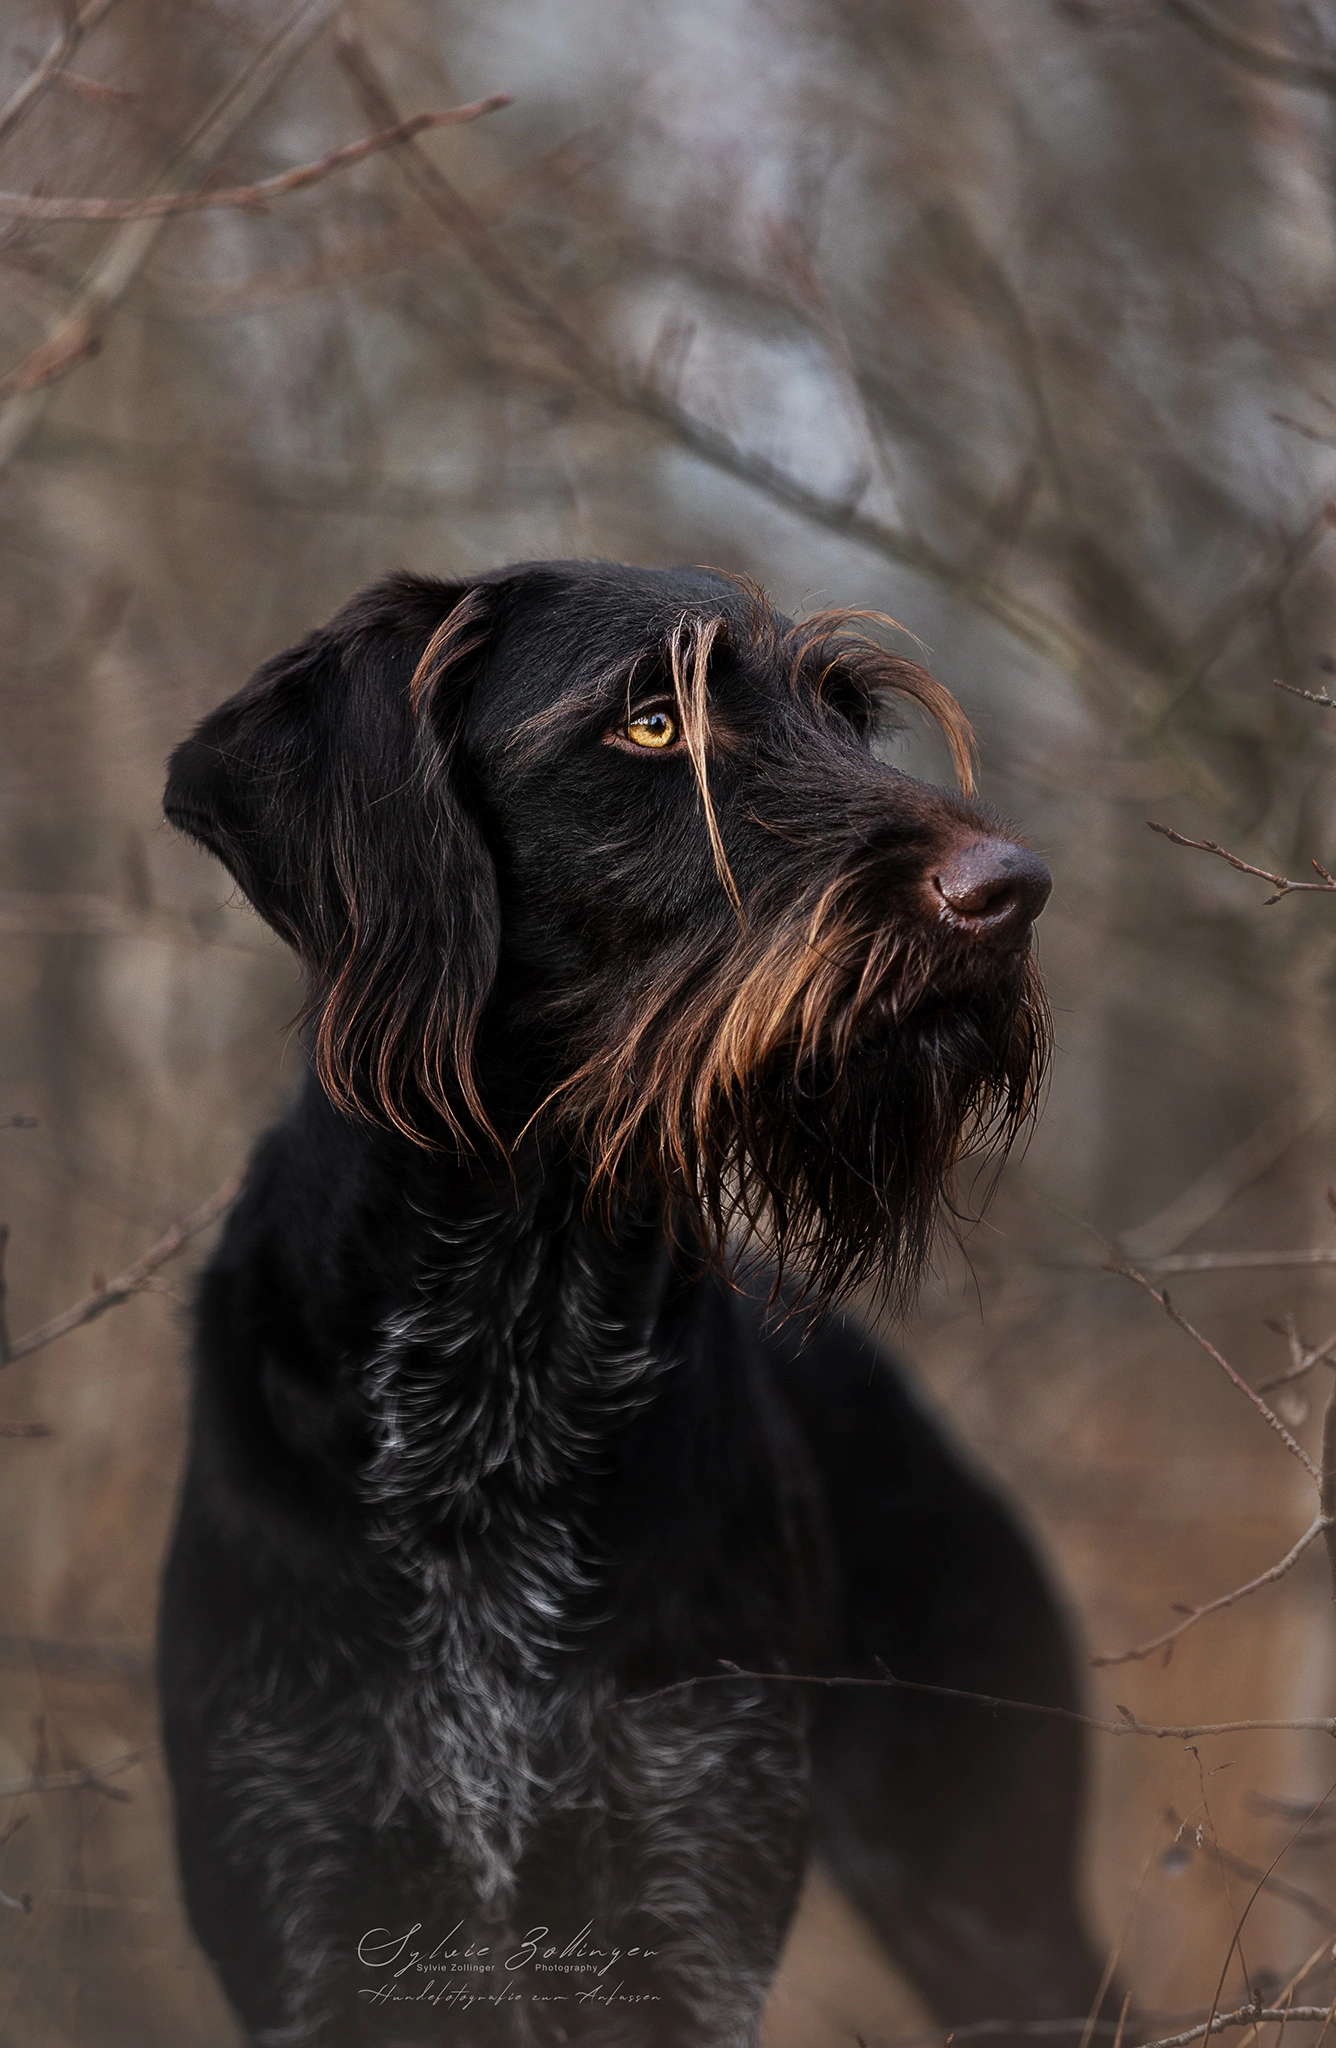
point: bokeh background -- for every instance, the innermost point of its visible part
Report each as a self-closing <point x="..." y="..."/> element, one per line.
<point x="1012" y="318"/>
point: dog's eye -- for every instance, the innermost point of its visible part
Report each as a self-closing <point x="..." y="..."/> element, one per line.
<point x="655" y="729"/>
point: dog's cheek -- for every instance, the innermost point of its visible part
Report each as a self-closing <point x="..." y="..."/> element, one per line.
<point x="607" y="867"/>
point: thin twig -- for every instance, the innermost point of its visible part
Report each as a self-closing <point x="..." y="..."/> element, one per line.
<point x="1312" y="73"/>
<point x="388" y="248"/>
<point x="1267" y="1414"/>
<point x="134" y="1279"/>
<point x="1250" y="601"/>
<point x="1326" y="2024"/>
<point x="50" y="67"/>
<point x="95" y="89"/>
<point x="1318" y="1527"/>
<point x="1232" y="1170"/>
<point x="1283" y="886"/>
<point x="1019" y="615"/>
<point x="1326" y="1491"/>
<point x="26" y="1429"/>
<point x="1316" y="1908"/>
<point x="1280" y="2036"/>
<point x="77" y="333"/>
<point x="1319" y="697"/>
<point x="1325" y="1477"/>
<point x="1025" y="620"/>
<point x="4" y="1295"/>
<point x="1236" y="1938"/>
<point x="1239" y="1262"/>
<point x="980" y="2030"/>
<point x="1304" y="1361"/>
<point x="1285" y="419"/>
<point x="1236" y="1945"/>
<point x="71" y="1781"/>
<point x="1320" y="1955"/>
<point x="1127" y="1725"/>
<point x="1122" y="2020"/>
<point x="1244" y="2016"/>
<point x="161" y="205"/>
<point x="1116" y="1948"/>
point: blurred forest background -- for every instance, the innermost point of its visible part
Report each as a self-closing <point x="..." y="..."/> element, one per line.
<point x="1013" y="318"/>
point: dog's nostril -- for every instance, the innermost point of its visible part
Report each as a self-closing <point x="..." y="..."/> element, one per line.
<point x="995" y="884"/>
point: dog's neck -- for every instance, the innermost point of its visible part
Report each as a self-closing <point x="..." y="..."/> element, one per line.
<point x="494" y="1332"/>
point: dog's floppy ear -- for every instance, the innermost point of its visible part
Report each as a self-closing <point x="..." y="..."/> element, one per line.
<point x="333" y="790"/>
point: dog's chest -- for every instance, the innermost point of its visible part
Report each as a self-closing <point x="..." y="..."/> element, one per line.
<point x="494" y="1400"/>
<point x="471" y="1746"/>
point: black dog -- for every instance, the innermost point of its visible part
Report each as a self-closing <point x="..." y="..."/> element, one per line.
<point x="619" y="938"/>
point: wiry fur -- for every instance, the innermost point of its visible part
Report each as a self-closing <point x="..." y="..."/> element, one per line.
<point x="731" y="1071"/>
<point x="814" y="1077"/>
<point x="490" y="1458"/>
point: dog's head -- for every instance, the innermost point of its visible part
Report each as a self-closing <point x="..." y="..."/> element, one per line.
<point x="612" y="847"/>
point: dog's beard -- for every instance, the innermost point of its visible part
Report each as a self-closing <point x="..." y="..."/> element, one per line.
<point x="815" y="1088"/>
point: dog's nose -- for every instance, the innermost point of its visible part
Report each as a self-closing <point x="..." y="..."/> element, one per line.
<point x="995" y="887"/>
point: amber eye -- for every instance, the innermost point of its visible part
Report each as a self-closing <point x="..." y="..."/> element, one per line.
<point x="656" y="729"/>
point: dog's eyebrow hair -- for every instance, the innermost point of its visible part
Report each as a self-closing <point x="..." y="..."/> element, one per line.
<point x="590" y="694"/>
<point x="691" y="642"/>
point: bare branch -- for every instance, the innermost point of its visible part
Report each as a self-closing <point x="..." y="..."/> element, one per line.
<point x="133" y="1280"/>
<point x="1249" y="601"/>
<point x="1303" y="1359"/>
<point x="1115" y="1951"/>
<point x="1122" y="2020"/>
<point x="4" y="1293"/>
<point x="1225" y="1178"/>
<point x="1319" y="697"/>
<point x="26" y="1429"/>
<point x="1237" y="1262"/>
<point x="71" y="1781"/>
<point x="1127" y="1725"/>
<point x="77" y="332"/>
<point x="1285" y="419"/>
<point x="1284" y="887"/>
<point x="1312" y="73"/>
<point x="1320" y="1954"/>
<point x="1318" y="1527"/>
<point x="1316" y="1909"/>
<point x="95" y="89"/>
<point x="1244" y="2016"/>
<point x="1239" y="1919"/>
<point x="1026" y="621"/>
<point x="389" y="248"/>
<point x="161" y="205"/>
<point x="50" y="67"/>
<point x="980" y="2030"/>
<point x="50" y="360"/>
<point x="1327" y="1484"/>
<point x="1267" y="1414"/>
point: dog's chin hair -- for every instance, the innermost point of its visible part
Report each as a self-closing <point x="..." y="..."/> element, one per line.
<point x="815" y="1098"/>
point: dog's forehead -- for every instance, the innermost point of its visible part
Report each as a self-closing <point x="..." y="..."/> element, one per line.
<point x="557" y="622"/>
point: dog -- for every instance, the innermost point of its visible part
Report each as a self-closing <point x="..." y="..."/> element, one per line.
<point x="521" y="1509"/>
